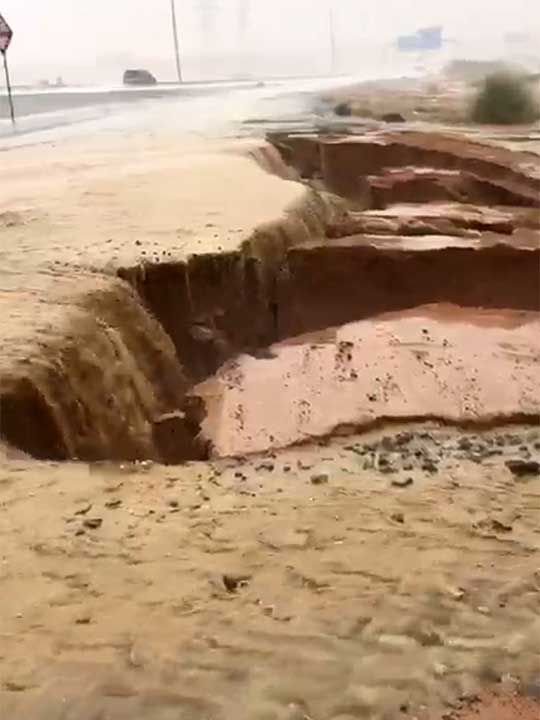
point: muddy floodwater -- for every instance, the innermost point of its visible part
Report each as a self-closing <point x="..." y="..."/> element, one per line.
<point x="428" y="362"/>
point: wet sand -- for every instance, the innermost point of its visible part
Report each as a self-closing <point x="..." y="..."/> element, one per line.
<point x="345" y="596"/>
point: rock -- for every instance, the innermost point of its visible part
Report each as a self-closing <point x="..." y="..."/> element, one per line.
<point x="402" y="482"/>
<point x="84" y="510"/>
<point x="501" y="525"/>
<point x="93" y="523"/>
<point x="464" y="443"/>
<point x="403" y="438"/>
<point x="177" y="435"/>
<point x="388" y="442"/>
<point x="113" y="504"/>
<point x="369" y="463"/>
<point x="269" y="466"/>
<point x="173" y="504"/>
<point x="83" y="620"/>
<point x="430" y="466"/>
<point x="477" y="457"/>
<point x="398" y="517"/>
<point x="320" y="479"/>
<point x="456" y="593"/>
<point x="233" y="582"/>
<point x="440" y="670"/>
<point x="392" y="118"/>
<point x="523" y="468"/>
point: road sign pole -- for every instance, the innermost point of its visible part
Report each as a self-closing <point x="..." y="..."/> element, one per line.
<point x="8" y="84"/>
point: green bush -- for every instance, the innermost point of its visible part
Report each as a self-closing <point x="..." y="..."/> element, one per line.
<point x="343" y="109"/>
<point x="505" y="99"/>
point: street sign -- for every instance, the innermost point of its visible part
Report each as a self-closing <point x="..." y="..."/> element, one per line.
<point x="6" y="33"/>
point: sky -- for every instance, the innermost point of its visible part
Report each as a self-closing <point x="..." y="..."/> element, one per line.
<point x="96" y="39"/>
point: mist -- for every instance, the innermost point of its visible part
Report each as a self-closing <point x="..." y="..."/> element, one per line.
<point x="91" y="41"/>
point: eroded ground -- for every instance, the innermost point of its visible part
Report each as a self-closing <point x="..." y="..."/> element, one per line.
<point x="261" y="305"/>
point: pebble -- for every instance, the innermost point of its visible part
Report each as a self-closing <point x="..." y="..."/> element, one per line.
<point x="320" y="479"/>
<point x="84" y="510"/>
<point x="233" y="582"/>
<point x="501" y="525"/>
<point x="93" y="523"/>
<point x="83" y="620"/>
<point x="398" y="517"/>
<point x="113" y="504"/>
<point x="402" y="482"/>
<point x="523" y="468"/>
<point x="430" y="466"/>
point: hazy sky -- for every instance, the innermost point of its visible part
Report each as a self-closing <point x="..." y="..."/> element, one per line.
<point x="57" y="35"/>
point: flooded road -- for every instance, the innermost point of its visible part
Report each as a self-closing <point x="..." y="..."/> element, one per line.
<point x="56" y="113"/>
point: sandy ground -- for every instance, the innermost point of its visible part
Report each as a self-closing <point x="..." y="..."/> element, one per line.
<point x="298" y="586"/>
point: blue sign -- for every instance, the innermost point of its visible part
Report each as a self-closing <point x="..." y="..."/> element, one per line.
<point x="424" y="39"/>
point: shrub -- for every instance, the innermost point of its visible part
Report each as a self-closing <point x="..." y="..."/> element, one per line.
<point x="505" y="99"/>
<point x="343" y="109"/>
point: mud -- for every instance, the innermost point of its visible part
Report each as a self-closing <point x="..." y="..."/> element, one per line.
<point x="428" y="362"/>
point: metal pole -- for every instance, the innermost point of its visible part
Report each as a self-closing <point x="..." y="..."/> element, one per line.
<point x="176" y="43"/>
<point x="8" y="83"/>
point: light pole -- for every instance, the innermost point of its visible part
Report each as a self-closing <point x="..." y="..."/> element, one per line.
<point x="176" y="43"/>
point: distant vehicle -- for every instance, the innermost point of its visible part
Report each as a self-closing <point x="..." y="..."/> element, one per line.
<point x="139" y="77"/>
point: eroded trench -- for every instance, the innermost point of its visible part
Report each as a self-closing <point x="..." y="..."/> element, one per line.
<point x="352" y="310"/>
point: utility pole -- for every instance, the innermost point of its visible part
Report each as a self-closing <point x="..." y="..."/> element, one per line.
<point x="176" y="43"/>
<point x="332" y="30"/>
